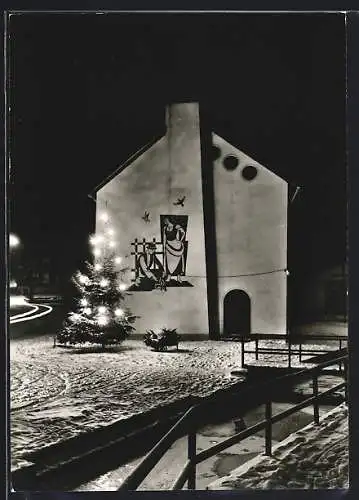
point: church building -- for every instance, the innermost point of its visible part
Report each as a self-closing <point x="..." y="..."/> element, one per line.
<point x="202" y="230"/>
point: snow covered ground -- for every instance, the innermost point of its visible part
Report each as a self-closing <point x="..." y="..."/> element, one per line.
<point x="58" y="393"/>
<point x="314" y="457"/>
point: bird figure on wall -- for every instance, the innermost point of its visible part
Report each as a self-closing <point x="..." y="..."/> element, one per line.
<point x="146" y="216"/>
<point x="180" y="201"/>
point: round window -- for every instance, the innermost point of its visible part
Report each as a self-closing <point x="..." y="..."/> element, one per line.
<point x="230" y="162"/>
<point x="249" y="172"/>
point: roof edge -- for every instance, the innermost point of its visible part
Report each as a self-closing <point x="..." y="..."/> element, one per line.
<point x="125" y="164"/>
<point x="291" y="185"/>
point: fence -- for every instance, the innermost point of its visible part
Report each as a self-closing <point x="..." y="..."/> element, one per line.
<point x="195" y="418"/>
<point x="295" y="345"/>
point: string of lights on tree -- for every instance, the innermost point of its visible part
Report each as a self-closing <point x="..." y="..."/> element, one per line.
<point x="100" y="316"/>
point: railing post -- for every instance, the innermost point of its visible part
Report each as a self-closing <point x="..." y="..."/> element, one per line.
<point x="300" y="351"/>
<point x="268" y="430"/>
<point x="315" y="403"/>
<point x="289" y="353"/>
<point x="242" y="353"/>
<point x="192" y="450"/>
<point x="256" y="349"/>
<point x="346" y="381"/>
<point x="340" y="363"/>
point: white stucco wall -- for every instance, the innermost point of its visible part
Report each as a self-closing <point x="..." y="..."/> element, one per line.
<point x="169" y="170"/>
<point x="251" y="232"/>
<point x="251" y="228"/>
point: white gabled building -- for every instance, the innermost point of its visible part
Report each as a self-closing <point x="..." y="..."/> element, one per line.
<point x="203" y="230"/>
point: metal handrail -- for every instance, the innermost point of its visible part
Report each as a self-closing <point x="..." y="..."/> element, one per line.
<point x="277" y="336"/>
<point x="156" y="453"/>
<point x="189" y="423"/>
<point x="292" y="340"/>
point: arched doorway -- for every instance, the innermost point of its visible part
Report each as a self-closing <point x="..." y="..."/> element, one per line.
<point x="236" y="313"/>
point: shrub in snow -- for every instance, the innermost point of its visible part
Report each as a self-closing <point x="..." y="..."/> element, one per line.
<point x="163" y="339"/>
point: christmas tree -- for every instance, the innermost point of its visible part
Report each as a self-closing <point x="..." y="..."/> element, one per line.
<point x="100" y="317"/>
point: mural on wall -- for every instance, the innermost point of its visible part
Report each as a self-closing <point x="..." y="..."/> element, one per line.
<point x="162" y="264"/>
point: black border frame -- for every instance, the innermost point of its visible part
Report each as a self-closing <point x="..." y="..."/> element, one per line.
<point x="67" y="6"/>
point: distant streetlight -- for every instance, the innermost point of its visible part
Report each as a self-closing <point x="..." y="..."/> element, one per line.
<point x="14" y="241"/>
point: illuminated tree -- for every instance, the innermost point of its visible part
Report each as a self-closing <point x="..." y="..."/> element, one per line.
<point x="100" y="316"/>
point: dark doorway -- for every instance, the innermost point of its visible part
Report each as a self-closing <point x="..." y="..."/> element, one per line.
<point x="237" y="313"/>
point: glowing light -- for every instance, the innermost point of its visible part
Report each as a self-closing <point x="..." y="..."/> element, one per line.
<point x="75" y="317"/>
<point x="102" y="309"/>
<point x="112" y="244"/>
<point x="84" y="302"/>
<point x="47" y="310"/>
<point x="98" y="267"/>
<point x="13" y="284"/>
<point x="32" y="310"/>
<point x="88" y="310"/>
<point x="110" y="231"/>
<point x="102" y="321"/>
<point x="94" y="240"/>
<point x="14" y="241"/>
<point x="104" y="217"/>
<point x="119" y="312"/>
<point x="97" y="252"/>
<point x="103" y="282"/>
<point x="84" y="279"/>
<point x="122" y="287"/>
<point x="118" y="260"/>
<point x="287" y="272"/>
<point x="17" y="300"/>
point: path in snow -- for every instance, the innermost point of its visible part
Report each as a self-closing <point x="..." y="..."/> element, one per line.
<point x="315" y="457"/>
<point x="168" y="468"/>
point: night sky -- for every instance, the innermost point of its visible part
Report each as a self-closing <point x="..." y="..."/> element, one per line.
<point x="86" y="91"/>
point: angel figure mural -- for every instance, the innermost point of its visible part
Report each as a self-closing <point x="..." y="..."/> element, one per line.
<point x="173" y="238"/>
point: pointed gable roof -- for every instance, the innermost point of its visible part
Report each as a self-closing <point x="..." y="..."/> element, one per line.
<point x="293" y="189"/>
